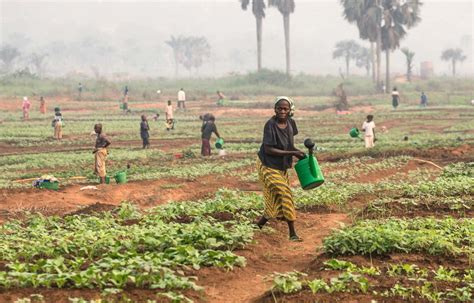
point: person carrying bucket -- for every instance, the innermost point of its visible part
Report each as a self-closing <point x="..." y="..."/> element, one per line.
<point x="207" y="129"/>
<point x="274" y="158"/>
<point x="100" y="151"/>
<point x="369" y="131"/>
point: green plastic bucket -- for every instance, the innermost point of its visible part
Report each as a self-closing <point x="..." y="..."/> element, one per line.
<point x="50" y="185"/>
<point x="219" y="143"/>
<point x="121" y="177"/>
<point x="309" y="173"/>
<point x="107" y="179"/>
<point x="354" y="132"/>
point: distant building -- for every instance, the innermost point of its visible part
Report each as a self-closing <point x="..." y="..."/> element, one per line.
<point x="426" y="69"/>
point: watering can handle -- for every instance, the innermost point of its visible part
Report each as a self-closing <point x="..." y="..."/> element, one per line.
<point x="312" y="165"/>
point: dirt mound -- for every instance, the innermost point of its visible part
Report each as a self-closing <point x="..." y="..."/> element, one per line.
<point x="93" y="209"/>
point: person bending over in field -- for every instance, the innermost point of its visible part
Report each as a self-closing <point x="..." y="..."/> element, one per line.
<point x="208" y="127"/>
<point x="100" y="151"/>
<point x="274" y="158"/>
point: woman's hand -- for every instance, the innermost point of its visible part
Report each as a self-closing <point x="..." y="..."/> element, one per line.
<point x="299" y="154"/>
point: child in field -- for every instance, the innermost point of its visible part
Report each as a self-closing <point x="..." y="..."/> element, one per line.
<point x="125" y="104"/>
<point x="369" y="129"/>
<point x="220" y="98"/>
<point x="144" y="128"/>
<point x="58" y="124"/>
<point x="207" y="128"/>
<point x="169" y="116"/>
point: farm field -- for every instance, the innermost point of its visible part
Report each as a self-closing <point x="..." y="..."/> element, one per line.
<point x="391" y="224"/>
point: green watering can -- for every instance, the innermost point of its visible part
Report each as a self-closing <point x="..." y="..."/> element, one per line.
<point x="121" y="177"/>
<point x="308" y="170"/>
<point x="219" y="143"/>
<point x="354" y="132"/>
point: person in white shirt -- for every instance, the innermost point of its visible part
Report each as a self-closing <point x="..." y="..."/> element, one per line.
<point x="181" y="99"/>
<point x="169" y="116"/>
<point x="369" y="129"/>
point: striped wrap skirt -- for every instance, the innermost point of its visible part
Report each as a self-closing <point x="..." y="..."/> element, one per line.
<point x="277" y="193"/>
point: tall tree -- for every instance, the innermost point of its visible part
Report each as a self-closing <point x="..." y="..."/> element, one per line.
<point x="8" y="54"/>
<point x="178" y="46"/>
<point x="347" y="49"/>
<point x="454" y="55"/>
<point x="189" y="51"/>
<point x="38" y="61"/>
<point x="367" y="15"/>
<point x="409" y="60"/>
<point x="286" y="7"/>
<point x="398" y="16"/>
<point x="258" y="9"/>
<point x="196" y="51"/>
<point x="364" y="59"/>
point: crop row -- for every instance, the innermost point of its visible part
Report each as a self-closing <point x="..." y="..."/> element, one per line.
<point x="405" y="281"/>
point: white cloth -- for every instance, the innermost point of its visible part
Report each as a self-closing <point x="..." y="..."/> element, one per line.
<point x="169" y="112"/>
<point x="368" y="128"/>
<point x="181" y="96"/>
<point x="369" y="141"/>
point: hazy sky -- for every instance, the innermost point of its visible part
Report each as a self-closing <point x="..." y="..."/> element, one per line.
<point x="129" y="36"/>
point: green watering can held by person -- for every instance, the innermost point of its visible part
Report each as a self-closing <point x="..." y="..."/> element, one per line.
<point x="308" y="170"/>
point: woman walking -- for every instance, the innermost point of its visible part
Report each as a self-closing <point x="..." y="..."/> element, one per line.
<point x="26" y="108"/>
<point x="395" y="98"/>
<point x="42" y="105"/>
<point x="274" y="158"/>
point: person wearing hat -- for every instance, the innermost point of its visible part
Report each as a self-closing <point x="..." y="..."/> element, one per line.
<point x="275" y="157"/>
<point x="100" y="151"/>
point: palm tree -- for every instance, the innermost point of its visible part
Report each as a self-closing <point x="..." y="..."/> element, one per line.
<point x="398" y="16"/>
<point x="367" y="15"/>
<point x="409" y="57"/>
<point x="286" y="7"/>
<point x="364" y="59"/>
<point x="347" y="49"/>
<point x="453" y="55"/>
<point x="258" y="9"/>
<point x="178" y="45"/>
